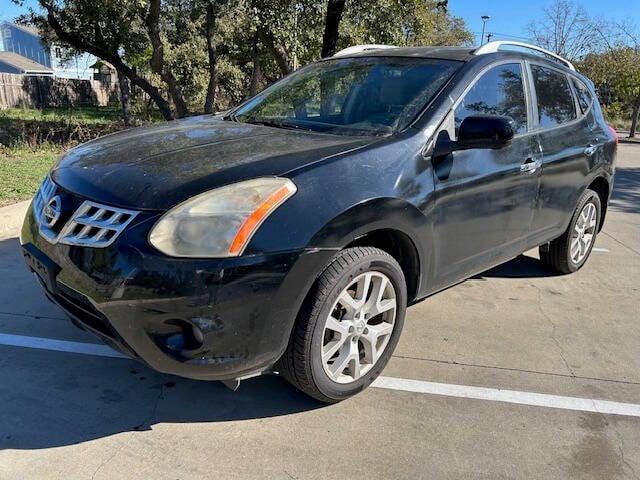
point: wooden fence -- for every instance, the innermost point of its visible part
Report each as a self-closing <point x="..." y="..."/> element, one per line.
<point x="42" y="92"/>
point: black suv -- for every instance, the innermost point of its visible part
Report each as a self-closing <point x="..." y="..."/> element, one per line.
<point x="291" y="233"/>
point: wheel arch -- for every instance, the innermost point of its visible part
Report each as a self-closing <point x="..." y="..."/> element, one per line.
<point x="601" y="186"/>
<point x="390" y="224"/>
<point x="400" y="246"/>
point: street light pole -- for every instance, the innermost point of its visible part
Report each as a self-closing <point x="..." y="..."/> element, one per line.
<point x="484" y="23"/>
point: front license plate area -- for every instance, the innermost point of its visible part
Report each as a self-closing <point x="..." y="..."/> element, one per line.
<point x="45" y="268"/>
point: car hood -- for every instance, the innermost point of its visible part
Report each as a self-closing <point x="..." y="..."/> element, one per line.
<point x="159" y="166"/>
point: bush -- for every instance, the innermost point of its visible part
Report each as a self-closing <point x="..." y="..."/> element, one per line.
<point x="34" y="133"/>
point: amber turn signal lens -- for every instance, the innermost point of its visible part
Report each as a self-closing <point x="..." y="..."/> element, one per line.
<point x="254" y="220"/>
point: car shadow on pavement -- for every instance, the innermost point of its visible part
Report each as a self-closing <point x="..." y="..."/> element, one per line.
<point x="626" y="194"/>
<point x="522" y="266"/>
<point x="51" y="399"/>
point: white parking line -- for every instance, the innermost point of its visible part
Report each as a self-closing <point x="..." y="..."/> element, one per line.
<point x="509" y="396"/>
<point x="40" y="343"/>
<point x="389" y="383"/>
<point x="602" y="250"/>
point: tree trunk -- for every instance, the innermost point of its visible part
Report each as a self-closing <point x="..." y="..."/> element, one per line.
<point x="634" y="120"/>
<point x="256" y="72"/>
<point x="331" y="27"/>
<point x="109" y="56"/>
<point x="281" y="56"/>
<point x="158" y="65"/>
<point x="210" y="28"/>
<point x="125" y="100"/>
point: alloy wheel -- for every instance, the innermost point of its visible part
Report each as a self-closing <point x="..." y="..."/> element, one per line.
<point x="583" y="233"/>
<point x="359" y="327"/>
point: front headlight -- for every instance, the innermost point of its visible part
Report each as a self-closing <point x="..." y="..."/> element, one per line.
<point x="220" y="223"/>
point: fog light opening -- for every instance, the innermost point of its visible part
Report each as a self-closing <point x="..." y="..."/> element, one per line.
<point x="179" y="337"/>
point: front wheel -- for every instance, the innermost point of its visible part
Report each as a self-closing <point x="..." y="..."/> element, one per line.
<point x="570" y="252"/>
<point x="348" y="327"/>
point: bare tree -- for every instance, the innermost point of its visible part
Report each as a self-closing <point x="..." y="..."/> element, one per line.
<point x="617" y="67"/>
<point x="565" y="29"/>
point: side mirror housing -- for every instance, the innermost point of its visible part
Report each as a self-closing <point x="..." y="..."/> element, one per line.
<point x="485" y="131"/>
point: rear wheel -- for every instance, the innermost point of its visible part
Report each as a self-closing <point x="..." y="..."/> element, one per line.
<point x="570" y="252"/>
<point x="348" y="327"/>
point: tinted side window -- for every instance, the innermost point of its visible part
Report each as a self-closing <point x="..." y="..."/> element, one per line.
<point x="498" y="92"/>
<point x="584" y="96"/>
<point x="555" y="101"/>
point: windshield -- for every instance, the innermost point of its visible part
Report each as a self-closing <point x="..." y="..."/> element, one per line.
<point x="350" y="96"/>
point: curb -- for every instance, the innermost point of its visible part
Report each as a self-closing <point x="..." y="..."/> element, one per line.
<point x="629" y="141"/>
<point x="11" y="218"/>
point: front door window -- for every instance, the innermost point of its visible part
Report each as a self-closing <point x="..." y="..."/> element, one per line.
<point x="499" y="91"/>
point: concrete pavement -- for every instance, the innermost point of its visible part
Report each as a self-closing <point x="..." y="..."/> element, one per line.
<point x="516" y="327"/>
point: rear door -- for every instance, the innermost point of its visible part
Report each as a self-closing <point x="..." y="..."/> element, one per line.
<point x="568" y="142"/>
<point x="485" y="198"/>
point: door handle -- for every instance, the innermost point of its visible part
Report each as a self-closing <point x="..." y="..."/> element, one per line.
<point x="590" y="150"/>
<point x="530" y="165"/>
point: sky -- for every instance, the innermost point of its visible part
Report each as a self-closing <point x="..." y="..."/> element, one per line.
<point x="509" y="18"/>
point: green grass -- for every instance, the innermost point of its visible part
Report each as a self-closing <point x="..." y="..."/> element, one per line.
<point x="31" y="139"/>
<point x="21" y="171"/>
<point x="85" y="115"/>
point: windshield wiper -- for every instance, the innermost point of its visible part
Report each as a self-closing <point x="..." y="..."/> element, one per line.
<point x="230" y="117"/>
<point x="274" y="123"/>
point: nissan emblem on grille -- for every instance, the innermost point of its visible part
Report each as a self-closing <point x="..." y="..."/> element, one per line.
<point x="52" y="211"/>
<point x="91" y="225"/>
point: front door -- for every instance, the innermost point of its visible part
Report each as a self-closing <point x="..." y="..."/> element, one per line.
<point x="485" y="198"/>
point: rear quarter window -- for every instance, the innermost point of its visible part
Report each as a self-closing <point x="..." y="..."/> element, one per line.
<point x="555" y="100"/>
<point x="584" y="96"/>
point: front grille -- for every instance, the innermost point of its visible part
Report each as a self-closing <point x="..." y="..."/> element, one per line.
<point x="91" y="225"/>
<point x="95" y="225"/>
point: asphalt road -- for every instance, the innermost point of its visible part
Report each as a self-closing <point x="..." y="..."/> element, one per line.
<point x="518" y="328"/>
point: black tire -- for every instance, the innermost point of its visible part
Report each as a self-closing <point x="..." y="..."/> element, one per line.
<point x="301" y="364"/>
<point x="556" y="255"/>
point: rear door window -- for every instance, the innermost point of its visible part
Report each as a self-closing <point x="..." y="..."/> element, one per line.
<point x="499" y="91"/>
<point x="555" y="100"/>
<point x="584" y="96"/>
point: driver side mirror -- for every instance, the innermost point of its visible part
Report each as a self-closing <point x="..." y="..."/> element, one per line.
<point x="477" y="131"/>
<point x="485" y="131"/>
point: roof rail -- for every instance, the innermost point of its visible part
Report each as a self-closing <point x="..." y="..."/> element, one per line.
<point x="493" y="47"/>
<point x="360" y="48"/>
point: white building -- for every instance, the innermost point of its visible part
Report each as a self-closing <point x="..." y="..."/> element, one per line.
<point x="25" y="41"/>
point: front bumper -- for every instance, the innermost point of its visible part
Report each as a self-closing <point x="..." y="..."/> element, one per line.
<point x="209" y="319"/>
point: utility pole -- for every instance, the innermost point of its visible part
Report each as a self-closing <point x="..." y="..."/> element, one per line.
<point x="489" y="35"/>
<point x="484" y="23"/>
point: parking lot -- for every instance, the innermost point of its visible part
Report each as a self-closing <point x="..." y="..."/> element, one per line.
<point x="516" y="373"/>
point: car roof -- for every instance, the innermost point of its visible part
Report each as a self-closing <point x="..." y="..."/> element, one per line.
<point x="463" y="54"/>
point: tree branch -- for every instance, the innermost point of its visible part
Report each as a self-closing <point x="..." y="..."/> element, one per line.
<point x="282" y="57"/>
<point x="106" y="54"/>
